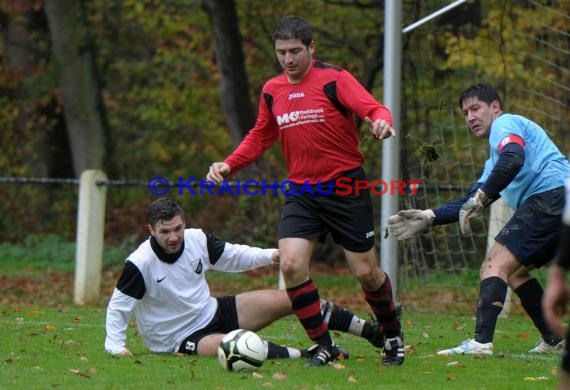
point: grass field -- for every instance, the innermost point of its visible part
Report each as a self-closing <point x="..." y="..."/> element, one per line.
<point x="49" y="343"/>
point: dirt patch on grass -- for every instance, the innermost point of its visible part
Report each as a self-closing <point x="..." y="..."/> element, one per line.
<point x="56" y="289"/>
<point x="53" y="289"/>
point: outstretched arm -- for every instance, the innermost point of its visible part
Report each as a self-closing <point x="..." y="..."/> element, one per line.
<point x="262" y="136"/>
<point x="130" y="288"/>
<point x="119" y="313"/>
<point x="508" y="165"/>
<point x="408" y="223"/>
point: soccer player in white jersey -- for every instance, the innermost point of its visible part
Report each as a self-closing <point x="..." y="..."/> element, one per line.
<point x="163" y="284"/>
<point x="527" y="170"/>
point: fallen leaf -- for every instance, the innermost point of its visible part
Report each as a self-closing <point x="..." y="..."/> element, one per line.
<point x="535" y="378"/>
<point x="480" y="357"/>
<point x="280" y="375"/>
<point x="457" y="326"/>
<point x="256" y="375"/>
<point x="79" y="373"/>
<point x="338" y="366"/>
<point x="351" y="379"/>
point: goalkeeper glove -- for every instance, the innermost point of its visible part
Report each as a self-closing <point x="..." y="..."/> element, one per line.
<point x="472" y="208"/>
<point x="407" y="223"/>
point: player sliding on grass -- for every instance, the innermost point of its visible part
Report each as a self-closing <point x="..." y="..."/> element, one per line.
<point x="164" y="284"/>
<point x="527" y="170"/>
<point x="311" y="107"/>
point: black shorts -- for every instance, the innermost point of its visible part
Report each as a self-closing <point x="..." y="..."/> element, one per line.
<point x="347" y="215"/>
<point x="532" y="234"/>
<point x="225" y="320"/>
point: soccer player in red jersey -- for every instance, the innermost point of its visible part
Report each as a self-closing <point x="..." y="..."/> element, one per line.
<point x="311" y="107"/>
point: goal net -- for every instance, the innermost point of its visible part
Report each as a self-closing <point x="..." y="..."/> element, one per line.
<point x="523" y="49"/>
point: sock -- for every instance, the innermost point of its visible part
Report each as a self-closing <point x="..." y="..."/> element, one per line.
<point x="382" y="305"/>
<point x="492" y="294"/>
<point x="344" y="320"/>
<point x="530" y="294"/>
<point x="306" y="305"/>
<point x="275" y="351"/>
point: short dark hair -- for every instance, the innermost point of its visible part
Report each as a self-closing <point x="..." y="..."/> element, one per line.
<point x="293" y="27"/>
<point x="484" y="92"/>
<point x="164" y="209"/>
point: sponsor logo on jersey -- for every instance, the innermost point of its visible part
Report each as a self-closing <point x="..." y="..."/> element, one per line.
<point x="305" y="116"/>
<point x="296" y="95"/>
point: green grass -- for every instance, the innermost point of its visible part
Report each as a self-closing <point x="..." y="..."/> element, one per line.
<point x="60" y="346"/>
<point x="63" y="349"/>
<point x="50" y="251"/>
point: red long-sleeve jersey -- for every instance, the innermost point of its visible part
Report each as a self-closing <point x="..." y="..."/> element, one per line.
<point x="315" y="120"/>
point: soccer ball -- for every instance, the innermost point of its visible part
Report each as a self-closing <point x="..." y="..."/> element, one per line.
<point x="241" y="350"/>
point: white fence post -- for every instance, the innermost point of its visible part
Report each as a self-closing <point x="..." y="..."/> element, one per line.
<point x="90" y="231"/>
<point x="499" y="216"/>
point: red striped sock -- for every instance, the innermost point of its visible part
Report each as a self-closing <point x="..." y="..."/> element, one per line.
<point x="306" y="305"/>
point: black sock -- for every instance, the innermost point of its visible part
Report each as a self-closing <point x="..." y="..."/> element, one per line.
<point x="530" y="294"/>
<point x="343" y="320"/>
<point x="275" y="351"/>
<point x="492" y="294"/>
<point x="336" y="317"/>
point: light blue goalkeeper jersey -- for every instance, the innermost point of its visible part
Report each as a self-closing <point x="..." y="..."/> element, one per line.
<point x="544" y="168"/>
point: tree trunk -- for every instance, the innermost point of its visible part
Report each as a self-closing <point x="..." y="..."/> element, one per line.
<point x="234" y="87"/>
<point x="22" y="57"/>
<point x="78" y="83"/>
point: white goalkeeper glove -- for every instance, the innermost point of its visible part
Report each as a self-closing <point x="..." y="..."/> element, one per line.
<point x="470" y="209"/>
<point x="407" y="223"/>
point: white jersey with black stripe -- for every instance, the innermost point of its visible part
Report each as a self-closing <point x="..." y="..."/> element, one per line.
<point x="172" y="300"/>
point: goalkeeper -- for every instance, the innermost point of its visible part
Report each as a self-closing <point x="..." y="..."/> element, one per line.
<point x="527" y="170"/>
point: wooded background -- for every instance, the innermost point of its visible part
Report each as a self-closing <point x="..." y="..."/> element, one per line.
<point x="146" y="88"/>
